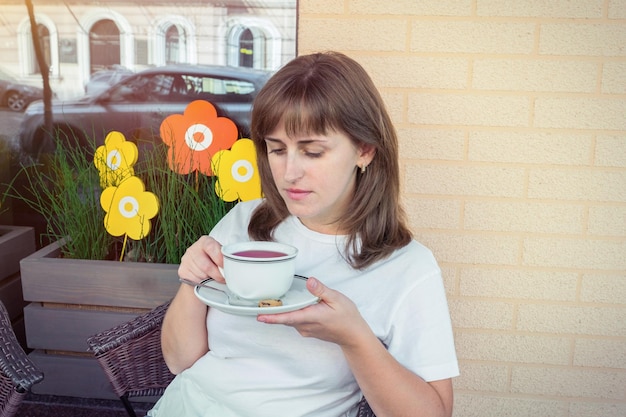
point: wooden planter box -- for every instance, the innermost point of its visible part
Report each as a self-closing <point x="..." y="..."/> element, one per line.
<point x="16" y="242"/>
<point x="72" y="299"/>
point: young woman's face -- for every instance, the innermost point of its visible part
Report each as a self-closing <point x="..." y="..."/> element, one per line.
<point x="315" y="175"/>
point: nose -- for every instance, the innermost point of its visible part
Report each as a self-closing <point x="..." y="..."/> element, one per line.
<point x="293" y="168"/>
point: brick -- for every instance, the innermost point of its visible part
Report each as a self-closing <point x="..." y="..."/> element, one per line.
<point x="607" y="220"/>
<point x="523" y="217"/>
<point x="475" y="314"/>
<point x="443" y="144"/>
<point x="406" y="71"/>
<point x="560" y="382"/>
<point x="321" y="7"/>
<point x="484" y="405"/>
<point x="520" y="284"/>
<point x="535" y="75"/>
<point x="604" y="288"/>
<point x="577" y="320"/>
<point x="539" y="8"/>
<point x="582" y="39"/>
<point x="530" y="148"/>
<point x="473" y="249"/>
<point x="449" y="279"/>
<point x="472" y="37"/>
<point x="610" y="151"/>
<point x="482" y="377"/>
<point x="617" y="10"/>
<point x="353" y="34"/>
<point x="614" y="78"/>
<point x="579" y="185"/>
<point x="412" y="7"/>
<point x="424" y="213"/>
<point x="580" y="113"/>
<point x="582" y="409"/>
<point x="464" y="180"/>
<point x="468" y="110"/>
<point x="600" y="353"/>
<point x="509" y="348"/>
<point x="575" y="253"/>
<point x="394" y="102"/>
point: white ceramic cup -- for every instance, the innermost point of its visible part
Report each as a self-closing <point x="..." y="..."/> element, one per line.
<point x="259" y="270"/>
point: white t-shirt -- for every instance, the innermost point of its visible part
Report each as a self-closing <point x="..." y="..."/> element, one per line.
<point x="264" y="370"/>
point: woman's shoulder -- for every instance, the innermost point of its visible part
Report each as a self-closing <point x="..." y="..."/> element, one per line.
<point x="246" y="207"/>
<point x="415" y="258"/>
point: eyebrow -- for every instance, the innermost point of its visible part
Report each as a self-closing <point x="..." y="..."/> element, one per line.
<point x="300" y="142"/>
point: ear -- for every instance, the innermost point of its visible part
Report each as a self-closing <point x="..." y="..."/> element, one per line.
<point x="366" y="154"/>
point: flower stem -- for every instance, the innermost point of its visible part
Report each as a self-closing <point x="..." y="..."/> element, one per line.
<point x="124" y="247"/>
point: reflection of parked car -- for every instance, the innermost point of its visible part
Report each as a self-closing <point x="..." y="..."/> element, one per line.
<point x="137" y="106"/>
<point x="17" y="96"/>
<point x="101" y="80"/>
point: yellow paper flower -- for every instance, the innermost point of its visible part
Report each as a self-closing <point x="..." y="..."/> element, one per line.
<point x="237" y="172"/>
<point x="129" y="209"/>
<point x="115" y="159"/>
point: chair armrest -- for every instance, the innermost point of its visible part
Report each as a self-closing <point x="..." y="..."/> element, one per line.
<point x="117" y="336"/>
<point x="130" y="355"/>
<point x="14" y="363"/>
<point x="364" y="409"/>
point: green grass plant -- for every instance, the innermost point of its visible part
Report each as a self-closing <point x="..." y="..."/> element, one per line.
<point x="64" y="187"/>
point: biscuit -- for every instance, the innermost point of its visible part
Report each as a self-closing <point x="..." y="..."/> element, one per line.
<point x="270" y="303"/>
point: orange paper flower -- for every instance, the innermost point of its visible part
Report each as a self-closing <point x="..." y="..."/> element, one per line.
<point x="194" y="136"/>
<point x="237" y="172"/>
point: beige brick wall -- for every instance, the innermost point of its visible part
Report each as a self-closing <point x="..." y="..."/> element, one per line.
<point x="512" y="123"/>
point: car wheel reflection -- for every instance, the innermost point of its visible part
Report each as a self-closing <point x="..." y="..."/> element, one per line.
<point x="15" y="101"/>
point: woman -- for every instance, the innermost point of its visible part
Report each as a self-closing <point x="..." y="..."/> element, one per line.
<point x="328" y="160"/>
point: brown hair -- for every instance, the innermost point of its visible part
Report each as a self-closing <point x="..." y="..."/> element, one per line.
<point x="316" y="94"/>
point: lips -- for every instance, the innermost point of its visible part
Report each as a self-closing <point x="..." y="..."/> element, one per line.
<point x="297" y="194"/>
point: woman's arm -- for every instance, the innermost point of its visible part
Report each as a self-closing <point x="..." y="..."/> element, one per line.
<point x="390" y="388"/>
<point x="184" y="337"/>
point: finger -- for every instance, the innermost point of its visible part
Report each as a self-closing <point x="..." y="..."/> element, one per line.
<point x="320" y="290"/>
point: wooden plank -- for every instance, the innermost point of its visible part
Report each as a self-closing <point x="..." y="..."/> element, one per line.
<point x="11" y="295"/>
<point x="16" y="242"/>
<point x="71" y="376"/>
<point x="76" y="281"/>
<point x="67" y="329"/>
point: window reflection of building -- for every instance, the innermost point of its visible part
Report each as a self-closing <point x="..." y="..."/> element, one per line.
<point x="246" y="49"/>
<point x="173" y="41"/>
<point x="104" y="45"/>
<point x="47" y="32"/>
<point x="172" y="49"/>
<point x="254" y="42"/>
<point x="44" y="36"/>
<point x="94" y="36"/>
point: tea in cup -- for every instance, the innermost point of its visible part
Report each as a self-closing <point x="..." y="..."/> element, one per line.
<point x="259" y="270"/>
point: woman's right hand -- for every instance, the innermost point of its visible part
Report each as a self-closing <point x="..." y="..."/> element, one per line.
<point x="184" y="337"/>
<point x="202" y="260"/>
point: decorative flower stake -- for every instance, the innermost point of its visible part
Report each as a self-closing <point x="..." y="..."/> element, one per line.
<point x="194" y="136"/>
<point x="237" y="172"/>
<point x="115" y="159"/>
<point x="129" y="209"/>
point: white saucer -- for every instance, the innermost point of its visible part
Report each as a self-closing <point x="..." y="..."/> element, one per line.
<point x="296" y="298"/>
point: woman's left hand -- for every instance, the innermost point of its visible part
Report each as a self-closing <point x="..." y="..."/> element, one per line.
<point x="334" y="319"/>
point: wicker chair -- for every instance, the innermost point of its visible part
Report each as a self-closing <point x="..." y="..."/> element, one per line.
<point x="18" y="372"/>
<point x="131" y="357"/>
